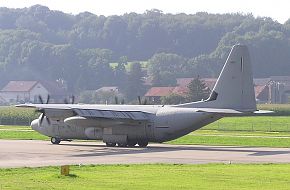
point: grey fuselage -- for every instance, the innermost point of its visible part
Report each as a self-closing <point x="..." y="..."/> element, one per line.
<point x="165" y="123"/>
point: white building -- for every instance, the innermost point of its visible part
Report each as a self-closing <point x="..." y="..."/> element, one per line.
<point x="28" y="91"/>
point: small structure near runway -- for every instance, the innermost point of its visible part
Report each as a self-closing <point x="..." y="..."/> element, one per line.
<point x="64" y="170"/>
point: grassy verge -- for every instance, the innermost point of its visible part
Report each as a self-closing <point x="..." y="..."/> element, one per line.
<point x="279" y="109"/>
<point x="253" y="123"/>
<point x="212" y="137"/>
<point x="155" y="176"/>
<point x="202" y="137"/>
<point x="20" y="133"/>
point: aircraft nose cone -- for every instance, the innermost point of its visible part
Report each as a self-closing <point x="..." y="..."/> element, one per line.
<point x="34" y="124"/>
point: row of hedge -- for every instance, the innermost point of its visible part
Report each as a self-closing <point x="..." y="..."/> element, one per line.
<point x="10" y="115"/>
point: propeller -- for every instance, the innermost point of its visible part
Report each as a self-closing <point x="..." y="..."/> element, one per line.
<point x="42" y="117"/>
<point x="42" y="110"/>
<point x="72" y="98"/>
<point x="41" y="99"/>
<point x="116" y="100"/>
<point x="140" y="101"/>
<point x="145" y="102"/>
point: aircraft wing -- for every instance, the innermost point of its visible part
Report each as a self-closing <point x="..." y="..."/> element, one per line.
<point x="89" y="111"/>
<point x="112" y="114"/>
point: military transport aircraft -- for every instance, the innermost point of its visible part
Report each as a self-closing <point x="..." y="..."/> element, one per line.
<point x="129" y="125"/>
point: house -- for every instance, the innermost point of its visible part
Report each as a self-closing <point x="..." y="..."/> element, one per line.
<point x="28" y="91"/>
<point x="262" y="93"/>
<point x="275" y="89"/>
<point x="209" y="82"/>
<point x="114" y="89"/>
<point x="154" y="94"/>
<point x="2" y="101"/>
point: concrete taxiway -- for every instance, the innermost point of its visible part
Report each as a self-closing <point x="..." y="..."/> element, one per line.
<point x="26" y="153"/>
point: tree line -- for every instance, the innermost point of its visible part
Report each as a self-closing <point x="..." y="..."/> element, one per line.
<point x="88" y="51"/>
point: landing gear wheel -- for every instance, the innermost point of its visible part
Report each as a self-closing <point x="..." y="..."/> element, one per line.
<point x="143" y="143"/>
<point x="122" y="145"/>
<point x="110" y="144"/>
<point x="132" y="143"/>
<point x="54" y="140"/>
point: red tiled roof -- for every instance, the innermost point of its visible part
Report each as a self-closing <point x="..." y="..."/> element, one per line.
<point x="165" y="91"/>
<point x="159" y="91"/>
<point x="209" y="82"/>
<point x="259" y="89"/>
<point x="19" y="86"/>
<point x="181" y="90"/>
<point x="183" y="81"/>
<point x="262" y="81"/>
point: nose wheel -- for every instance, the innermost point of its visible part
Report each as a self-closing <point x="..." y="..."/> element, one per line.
<point x="54" y="140"/>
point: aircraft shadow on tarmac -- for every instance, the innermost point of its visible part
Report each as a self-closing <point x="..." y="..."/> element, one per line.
<point x="102" y="150"/>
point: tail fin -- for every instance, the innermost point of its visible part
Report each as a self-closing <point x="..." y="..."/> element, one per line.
<point x="234" y="88"/>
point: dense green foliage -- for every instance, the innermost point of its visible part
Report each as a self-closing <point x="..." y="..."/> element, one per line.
<point x="10" y="115"/>
<point x="197" y="90"/>
<point x="152" y="176"/>
<point x="38" y="43"/>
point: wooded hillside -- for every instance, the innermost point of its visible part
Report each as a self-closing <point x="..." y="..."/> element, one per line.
<point x="38" y="43"/>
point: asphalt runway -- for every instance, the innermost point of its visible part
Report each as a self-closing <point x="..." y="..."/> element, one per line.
<point x="26" y="153"/>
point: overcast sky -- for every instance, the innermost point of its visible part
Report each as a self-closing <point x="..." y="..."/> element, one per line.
<point x="278" y="10"/>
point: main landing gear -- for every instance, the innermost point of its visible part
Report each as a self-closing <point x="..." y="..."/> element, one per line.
<point x="141" y="143"/>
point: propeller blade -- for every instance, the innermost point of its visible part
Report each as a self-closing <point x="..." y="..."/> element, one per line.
<point x="116" y="100"/>
<point x="41" y="118"/>
<point x="47" y="100"/>
<point x="48" y="121"/>
<point x="72" y="99"/>
<point x="40" y="99"/>
<point x="65" y="101"/>
<point x="123" y="101"/>
<point x="145" y="102"/>
<point x="139" y="100"/>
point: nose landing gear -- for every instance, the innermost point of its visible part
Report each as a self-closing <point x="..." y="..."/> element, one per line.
<point x="55" y="140"/>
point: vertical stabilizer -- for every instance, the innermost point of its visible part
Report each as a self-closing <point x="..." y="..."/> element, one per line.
<point x="234" y="88"/>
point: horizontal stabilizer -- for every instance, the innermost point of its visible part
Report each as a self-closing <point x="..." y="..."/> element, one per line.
<point x="232" y="111"/>
<point x="221" y="111"/>
<point x="263" y="112"/>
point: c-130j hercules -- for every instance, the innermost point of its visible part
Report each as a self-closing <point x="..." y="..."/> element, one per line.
<point x="129" y="125"/>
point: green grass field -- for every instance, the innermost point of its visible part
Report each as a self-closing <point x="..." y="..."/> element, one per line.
<point x="211" y="137"/>
<point x="20" y="133"/>
<point x="155" y="176"/>
<point x="204" y="137"/>
<point x="253" y="123"/>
